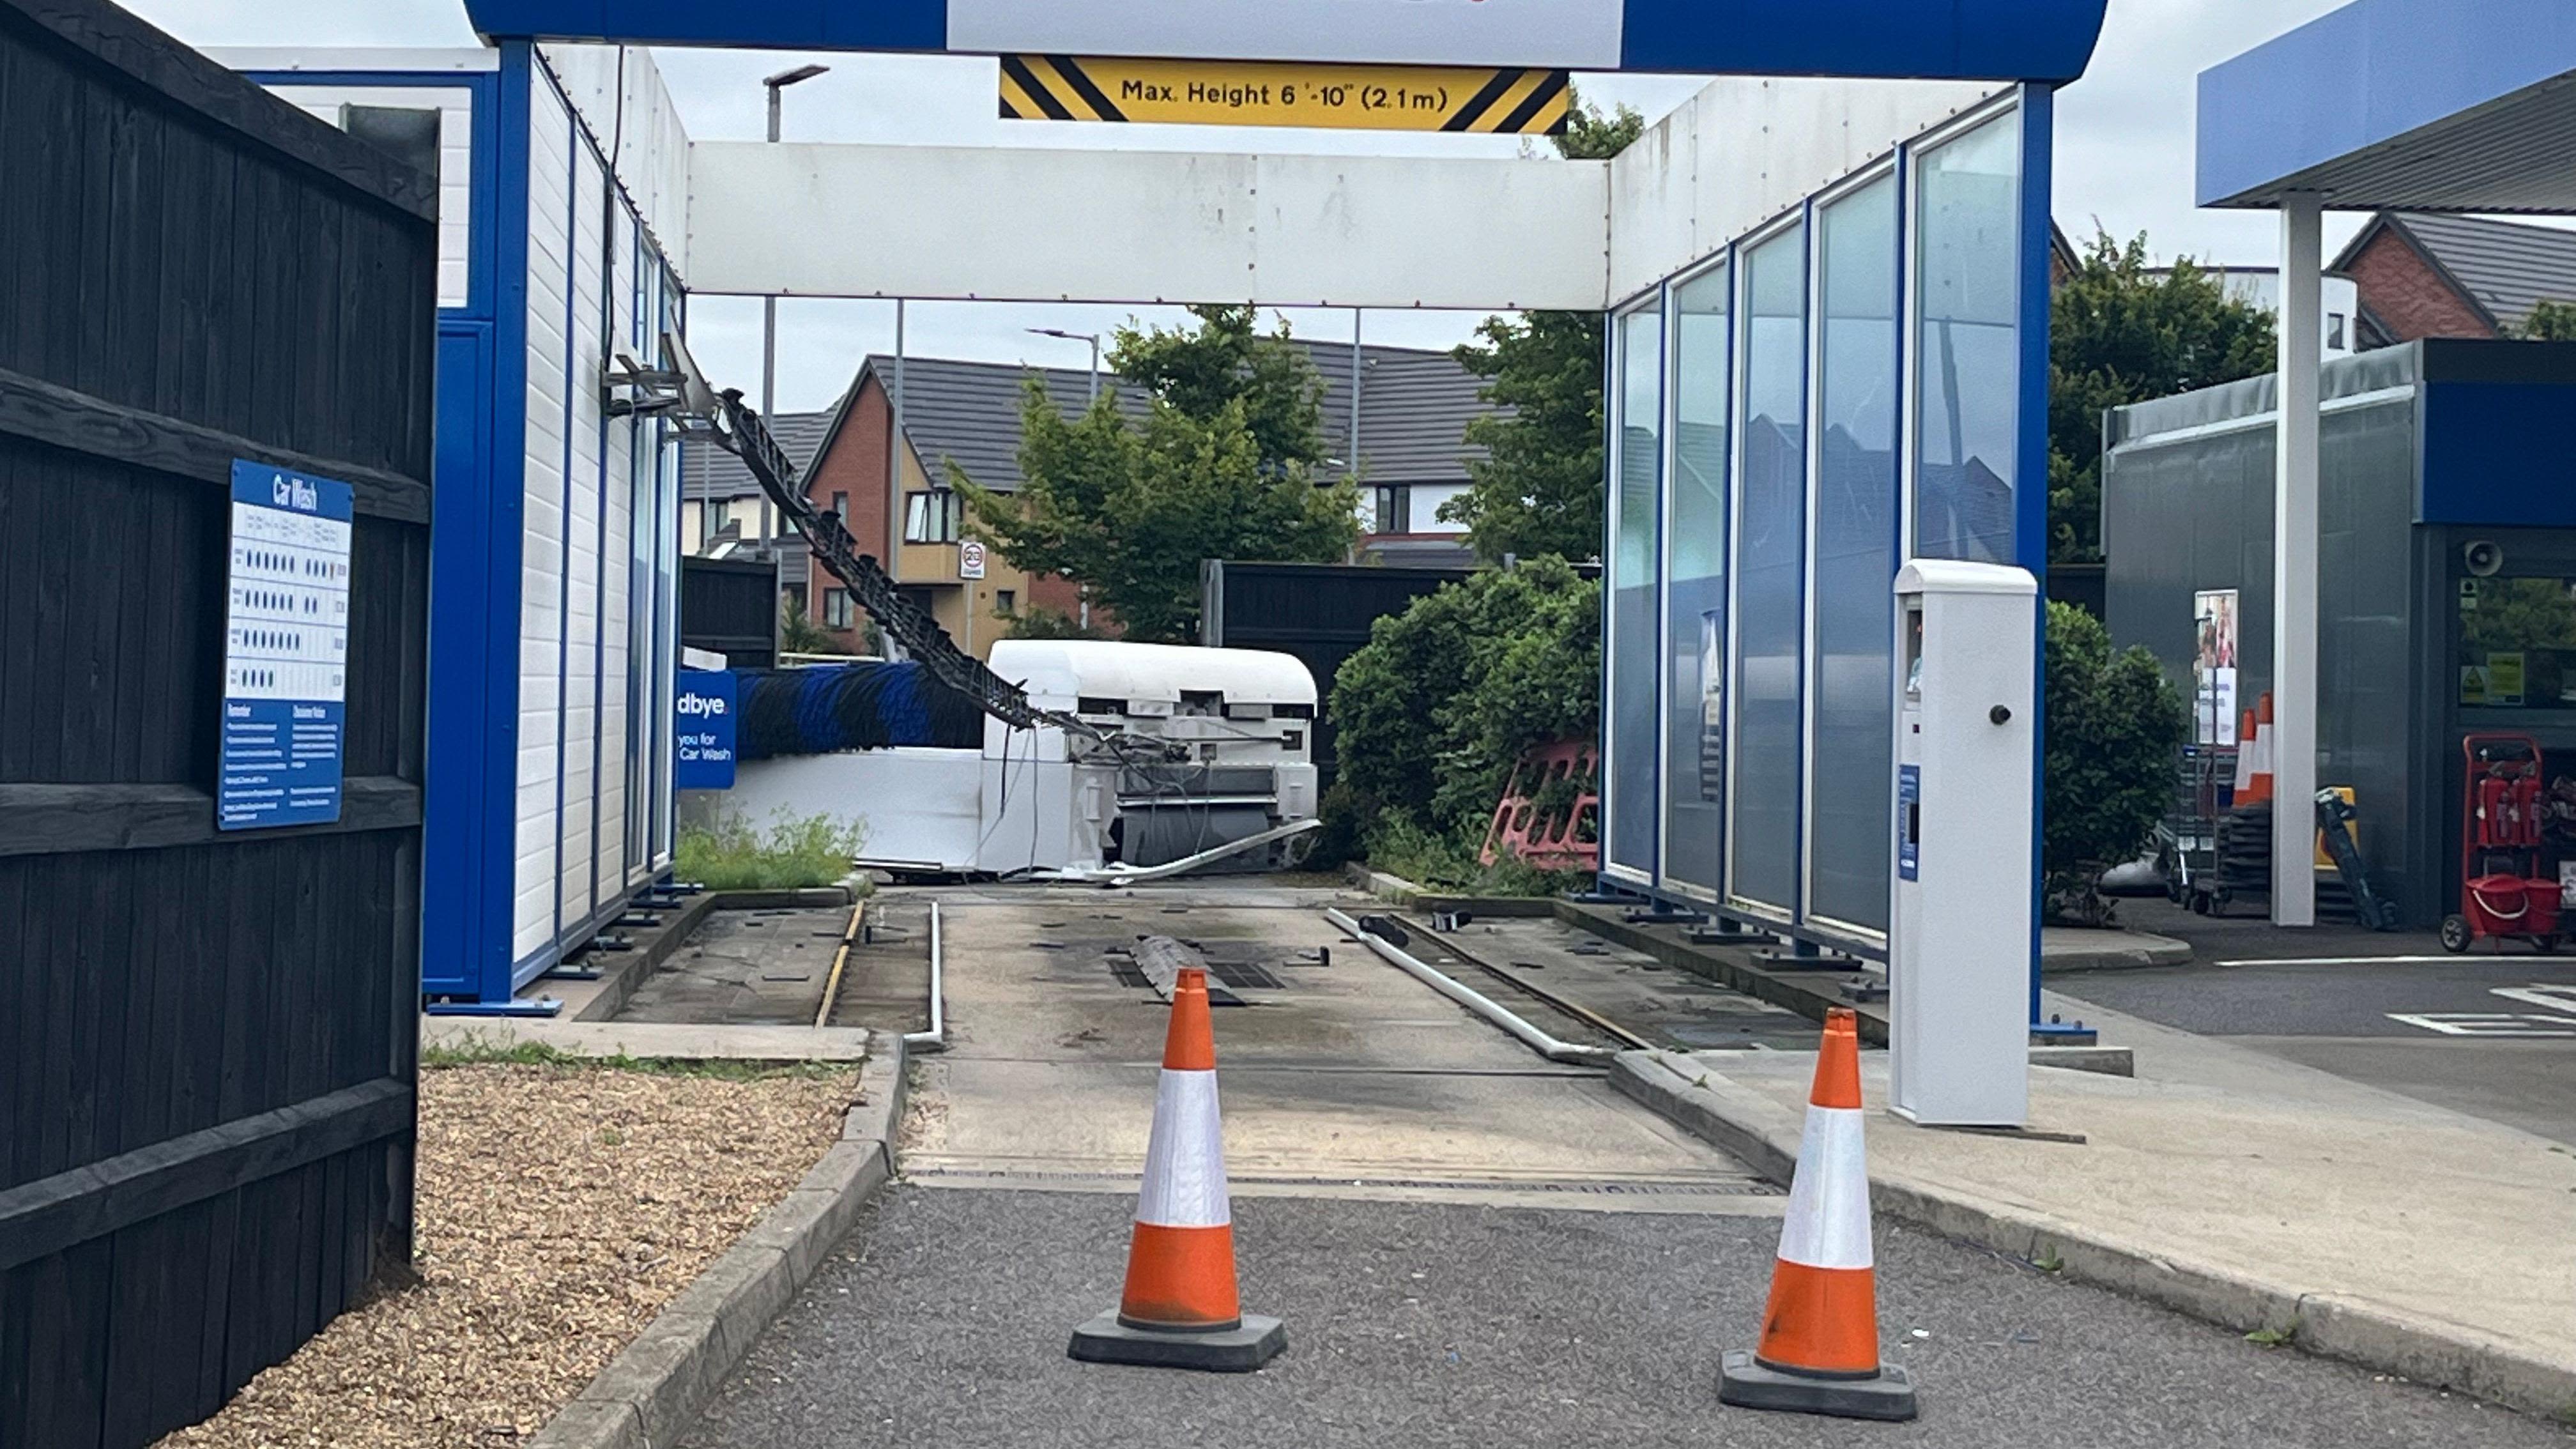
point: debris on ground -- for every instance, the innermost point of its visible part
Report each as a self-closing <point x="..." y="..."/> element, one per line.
<point x="560" y="1206"/>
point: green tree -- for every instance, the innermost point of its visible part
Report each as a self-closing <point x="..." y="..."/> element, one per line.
<point x="798" y="634"/>
<point x="1538" y="490"/>
<point x="2113" y="726"/>
<point x="1433" y="712"/>
<point x="2550" y="321"/>
<point x="2123" y="334"/>
<point x="1222" y="465"/>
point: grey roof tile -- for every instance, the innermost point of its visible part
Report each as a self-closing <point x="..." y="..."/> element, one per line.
<point x="1414" y="409"/>
<point x="2509" y="267"/>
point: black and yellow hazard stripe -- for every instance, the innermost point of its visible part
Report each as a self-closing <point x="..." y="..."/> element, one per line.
<point x="1054" y="88"/>
<point x="1516" y="103"/>
<point x="1511" y="100"/>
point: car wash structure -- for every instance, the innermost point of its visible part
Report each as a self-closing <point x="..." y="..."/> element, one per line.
<point x="2440" y="470"/>
<point x="1828" y="271"/>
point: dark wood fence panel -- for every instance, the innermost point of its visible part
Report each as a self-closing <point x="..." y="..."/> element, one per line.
<point x="207" y="1039"/>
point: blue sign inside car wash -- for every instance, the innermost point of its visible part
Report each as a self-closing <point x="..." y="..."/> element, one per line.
<point x="286" y="650"/>
<point x="704" y="735"/>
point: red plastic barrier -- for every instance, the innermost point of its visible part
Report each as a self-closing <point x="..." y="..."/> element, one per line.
<point x="1567" y="837"/>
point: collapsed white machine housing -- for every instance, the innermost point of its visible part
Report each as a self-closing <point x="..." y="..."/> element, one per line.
<point x="1035" y="802"/>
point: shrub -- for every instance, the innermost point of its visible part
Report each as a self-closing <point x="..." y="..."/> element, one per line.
<point x="1446" y="696"/>
<point x="798" y="851"/>
<point x="1448" y="863"/>
<point x="2114" y="723"/>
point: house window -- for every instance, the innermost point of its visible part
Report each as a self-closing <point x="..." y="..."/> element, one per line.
<point x="841" y="506"/>
<point x="836" y="609"/>
<point x="1395" y="509"/>
<point x="938" y="516"/>
<point x="1006" y="602"/>
<point x="719" y="516"/>
<point x="2335" y="332"/>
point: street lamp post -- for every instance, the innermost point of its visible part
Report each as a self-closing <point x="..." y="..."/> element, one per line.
<point x="769" y="305"/>
<point x="1091" y="337"/>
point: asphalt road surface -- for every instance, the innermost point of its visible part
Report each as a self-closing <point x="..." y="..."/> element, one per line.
<point x="1471" y="1246"/>
<point x="943" y="1320"/>
<point x="2488" y="1033"/>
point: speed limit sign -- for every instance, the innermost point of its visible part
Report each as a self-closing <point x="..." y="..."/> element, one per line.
<point x="970" y="560"/>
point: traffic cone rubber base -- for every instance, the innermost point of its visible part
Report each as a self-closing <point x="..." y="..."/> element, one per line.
<point x="1748" y="1384"/>
<point x="1239" y="1350"/>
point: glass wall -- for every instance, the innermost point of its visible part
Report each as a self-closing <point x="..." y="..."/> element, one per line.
<point x="1770" y="559"/>
<point x="1695" y="562"/>
<point x="1629" y="792"/>
<point x="1968" y="356"/>
<point x="1858" y="387"/>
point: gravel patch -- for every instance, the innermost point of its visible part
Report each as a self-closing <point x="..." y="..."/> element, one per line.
<point x="559" y="1208"/>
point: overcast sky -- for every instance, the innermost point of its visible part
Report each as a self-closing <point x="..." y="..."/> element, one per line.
<point x="2124" y="157"/>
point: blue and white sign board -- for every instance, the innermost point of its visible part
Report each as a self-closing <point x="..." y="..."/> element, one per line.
<point x="286" y="651"/>
<point x="2022" y="40"/>
<point x="705" y="730"/>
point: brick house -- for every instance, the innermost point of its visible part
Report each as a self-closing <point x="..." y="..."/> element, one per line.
<point x="2454" y="276"/>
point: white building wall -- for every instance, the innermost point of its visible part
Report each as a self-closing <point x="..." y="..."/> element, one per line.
<point x="592" y="732"/>
<point x="1745" y="150"/>
<point x="542" y="559"/>
<point x="455" y="107"/>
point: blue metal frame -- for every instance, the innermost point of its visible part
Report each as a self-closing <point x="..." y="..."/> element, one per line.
<point x="1932" y="39"/>
<point x="2030" y="498"/>
<point x="472" y="723"/>
<point x="2363" y="76"/>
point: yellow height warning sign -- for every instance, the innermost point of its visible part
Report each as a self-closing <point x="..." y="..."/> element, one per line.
<point x="1494" y="101"/>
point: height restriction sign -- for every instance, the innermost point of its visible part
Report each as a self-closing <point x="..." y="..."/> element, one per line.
<point x="1491" y="100"/>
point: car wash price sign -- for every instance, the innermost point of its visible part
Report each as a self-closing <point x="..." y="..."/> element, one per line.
<point x="286" y="651"/>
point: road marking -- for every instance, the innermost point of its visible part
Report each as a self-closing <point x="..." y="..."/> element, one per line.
<point x="2341" y="960"/>
<point x="2488" y="1023"/>
<point x="2549" y="996"/>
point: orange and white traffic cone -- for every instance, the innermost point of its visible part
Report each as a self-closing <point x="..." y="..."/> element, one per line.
<point x="2258" y="786"/>
<point x="1819" y="1350"/>
<point x="1180" y="1309"/>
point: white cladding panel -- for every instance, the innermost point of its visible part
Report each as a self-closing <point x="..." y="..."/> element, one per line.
<point x="1745" y="150"/>
<point x="577" y="766"/>
<point x="455" y="107"/>
<point x="541" y="629"/>
<point x="620" y="95"/>
<point x="1372" y="231"/>
<point x="591" y="731"/>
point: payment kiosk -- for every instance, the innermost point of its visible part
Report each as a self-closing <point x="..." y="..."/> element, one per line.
<point x="1959" y="943"/>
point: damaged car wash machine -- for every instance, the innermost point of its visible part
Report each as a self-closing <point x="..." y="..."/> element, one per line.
<point x="1101" y="760"/>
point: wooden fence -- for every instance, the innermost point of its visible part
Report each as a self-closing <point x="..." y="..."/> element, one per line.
<point x="207" y="1040"/>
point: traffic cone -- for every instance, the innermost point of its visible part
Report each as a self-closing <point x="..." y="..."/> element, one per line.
<point x="2258" y="783"/>
<point x="2244" y="780"/>
<point x="1179" y="1309"/>
<point x="1819" y="1350"/>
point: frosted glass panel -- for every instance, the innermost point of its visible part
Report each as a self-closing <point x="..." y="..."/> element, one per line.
<point x="1634" y="576"/>
<point x="1968" y="286"/>
<point x="1857" y="391"/>
<point x="1770" y="566"/>
<point x="1695" y="636"/>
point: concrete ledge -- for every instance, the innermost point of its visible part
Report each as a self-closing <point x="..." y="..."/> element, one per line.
<point x="620" y="972"/>
<point x="1808" y="993"/>
<point x="2065" y="951"/>
<point x="1396" y="890"/>
<point x="814" y="898"/>
<point x="652" y="1392"/>
<point x="649" y="1040"/>
<point x="2419" y="1347"/>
